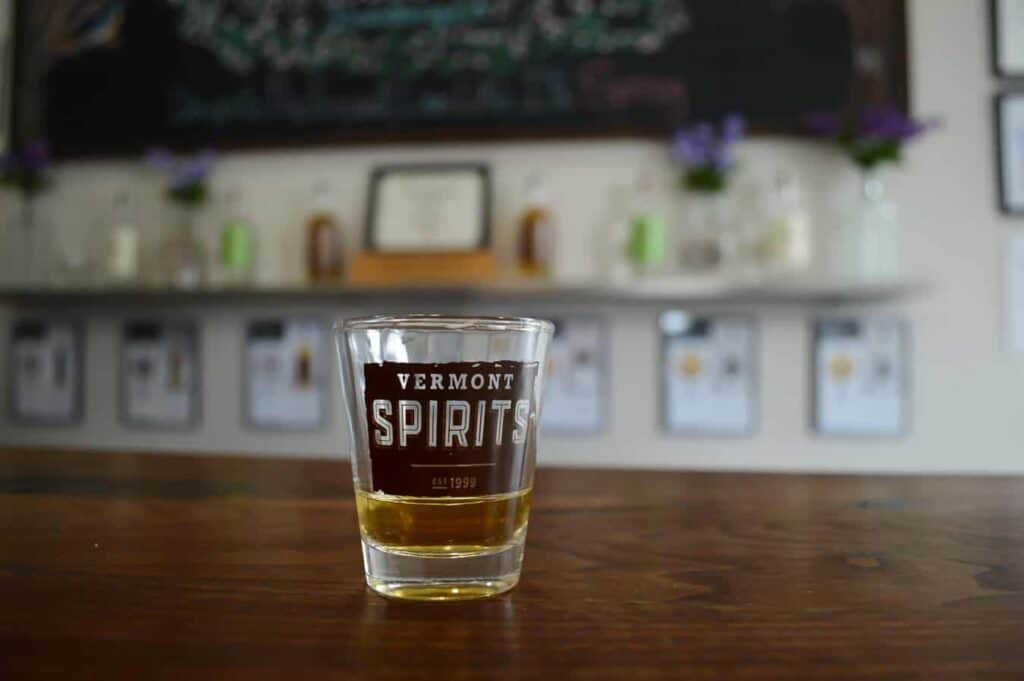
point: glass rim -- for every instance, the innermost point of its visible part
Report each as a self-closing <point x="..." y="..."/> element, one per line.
<point x="445" y="322"/>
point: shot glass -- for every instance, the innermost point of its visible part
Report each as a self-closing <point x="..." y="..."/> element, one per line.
<point x="444" y="418"/>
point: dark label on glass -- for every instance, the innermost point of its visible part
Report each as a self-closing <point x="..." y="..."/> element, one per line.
<point x="456" y="429"/>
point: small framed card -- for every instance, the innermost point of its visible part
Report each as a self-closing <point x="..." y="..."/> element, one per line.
<point x="1008" y="37"/>
<point x="286" y="372"/>
<point x="1010" y="148"/>
<point x="160" y="377"/>
<point x="861" y="377"/>
<point x="46" y="372"/>
<point x="575" y="396"/>
<point x="708" y="374"/>
<point x="429" y="208"/>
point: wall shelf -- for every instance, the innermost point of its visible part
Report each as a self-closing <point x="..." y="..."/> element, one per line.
<point x="654" y="291"/>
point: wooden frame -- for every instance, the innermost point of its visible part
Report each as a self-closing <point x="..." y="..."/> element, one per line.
<point x="878" y="30"/>
<point x="379" y="174"/>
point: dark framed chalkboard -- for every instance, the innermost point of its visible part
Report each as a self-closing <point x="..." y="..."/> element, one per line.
<point x="114" y="76"/>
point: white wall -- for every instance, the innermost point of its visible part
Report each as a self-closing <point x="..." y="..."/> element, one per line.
<point x="967" y="387"/>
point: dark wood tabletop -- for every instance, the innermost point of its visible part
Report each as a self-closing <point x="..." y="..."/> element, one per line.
<point x="118" y="566"/>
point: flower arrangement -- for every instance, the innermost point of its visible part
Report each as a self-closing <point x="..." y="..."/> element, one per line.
<point x="870" y="137"/>
<point x="706" y="155"/>
<point x="28" y="168"/>
<point x="186" y="176"/>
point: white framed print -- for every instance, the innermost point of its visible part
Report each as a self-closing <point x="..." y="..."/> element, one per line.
<point x="46" y="372"/>
<point x="429" y="208"/>
<point x="575" y="396"/>
<point x="708" y="374"/>
<point x="1010" y="151"/>
<point x="286" y="374"/>
<point x="861" y="373"/>
<point x="160" y="376"/>
<point x="1008" y="37"/>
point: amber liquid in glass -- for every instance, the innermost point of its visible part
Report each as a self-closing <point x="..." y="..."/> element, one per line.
<point x="323" y="249"/>
<point x="443" y="525"/>
<point x="536" y="242"/>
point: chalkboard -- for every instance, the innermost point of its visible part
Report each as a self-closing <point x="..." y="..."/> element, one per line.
<point x="100" y="77"/>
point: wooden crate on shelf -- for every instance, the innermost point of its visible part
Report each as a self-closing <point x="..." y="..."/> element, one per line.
<point x="424" y="268"/>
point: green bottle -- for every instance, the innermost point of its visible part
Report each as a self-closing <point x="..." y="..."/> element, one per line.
<point x="648" y="233"/>
<point x="647" y="241"/>
<point x="237" y="243"/>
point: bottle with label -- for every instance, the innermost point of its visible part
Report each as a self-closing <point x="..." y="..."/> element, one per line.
<point x="785" y="242"/>
<point x="324" y="245"/>
<point x="237" y="242"/>
<point x="537" y="232"/>
<point x="648" y="234"/>
<point x="123" y="242"/>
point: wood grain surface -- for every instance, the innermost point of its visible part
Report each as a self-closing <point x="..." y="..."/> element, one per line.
<point x="118" y="566"/>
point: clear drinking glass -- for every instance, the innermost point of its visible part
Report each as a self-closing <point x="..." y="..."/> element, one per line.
<point x="444" y="418"/>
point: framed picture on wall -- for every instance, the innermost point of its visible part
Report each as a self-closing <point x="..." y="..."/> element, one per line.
<point x="46" y="375"/>
<point x="861" y="376"/>
<point x="1008" y="38"/>
<point x="429" y="208"/>
<point x="575" y="399"/>
<point x="160" y="375"/>
<point x="286" y="364"/>
<point x="1010" y="151"/>
<point x="708" y="374"/>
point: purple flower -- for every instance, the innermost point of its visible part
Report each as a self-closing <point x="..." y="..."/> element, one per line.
<point x="823" y="124"/>
<point x="688" y="149"/>
<point x="194" y="171"/>
<point x="700" y="146"/>
<point x="888" y="123"/>
<point x="162" y="160"/>
<point x="723" y="157"/>
<point x="733" y="128"/>
<point x="36" y="156"/>
<point x="186" y="177"/>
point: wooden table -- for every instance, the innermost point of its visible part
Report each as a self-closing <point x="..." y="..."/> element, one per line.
<point x="141" y="567"/>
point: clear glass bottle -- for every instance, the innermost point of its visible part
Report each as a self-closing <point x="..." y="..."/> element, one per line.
<point x="537" y="232"/>
<point x="237" y="242"/>
<point x="870" y="241"/>
<point x="123" y="242"/>
<point x="181" y="260"/>
<point x="324" y="241"/>
<point x="707" y="239"/>
<point x="785" y="241"/>
<point x="36" y="252"/>
<point x="648" y="235"/>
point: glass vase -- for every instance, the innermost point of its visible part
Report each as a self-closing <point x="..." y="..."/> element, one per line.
<point x="707" y="237"/>
<point x="869" y="248"/>
<point x="181" y="260"/>
<point x="34" y="254"/>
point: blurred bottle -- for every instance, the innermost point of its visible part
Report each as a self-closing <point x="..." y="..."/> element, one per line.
<point x="123" y="242"/>
<point x="785" y="243"/>
<point x="237" y="242"/>
<point x="303" y="367"/>
<point x="648" y="234"/>
<point x="324" y="244"/>
<point x="537" y="232"/>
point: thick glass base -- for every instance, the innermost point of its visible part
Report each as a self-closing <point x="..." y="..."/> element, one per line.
<point x="413" y="575"/>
